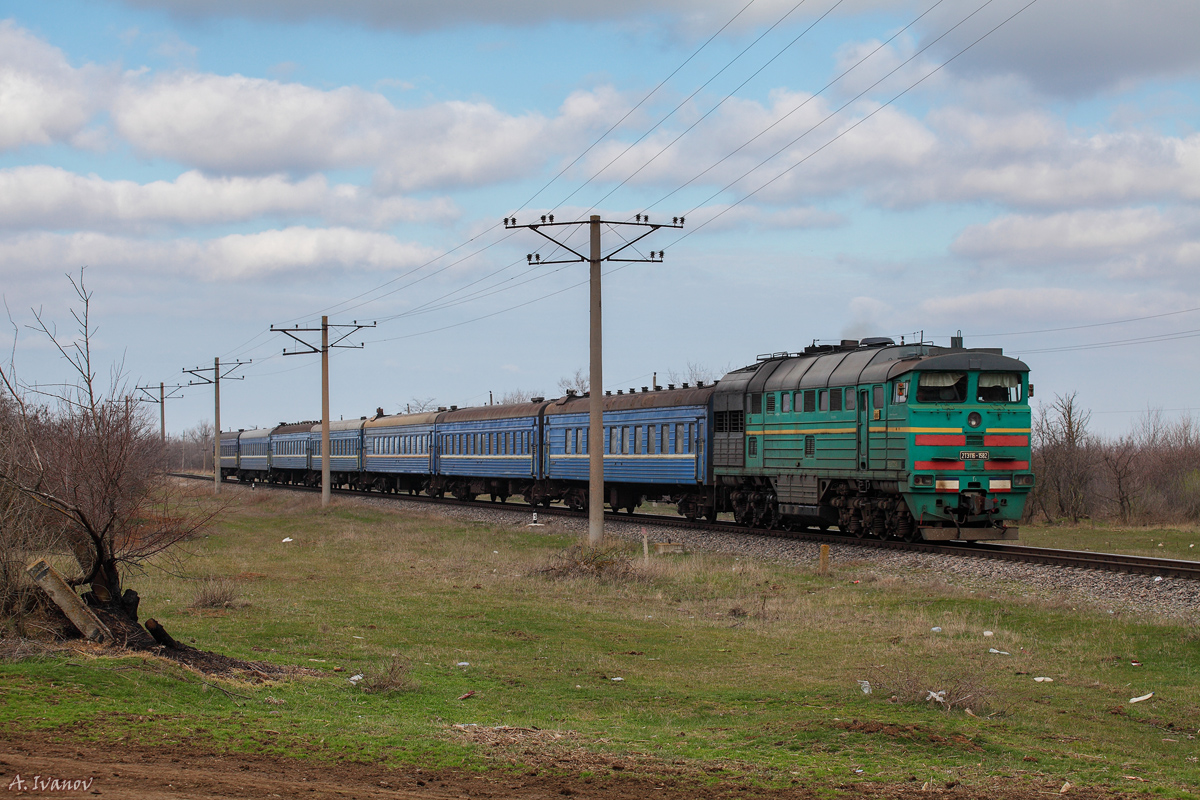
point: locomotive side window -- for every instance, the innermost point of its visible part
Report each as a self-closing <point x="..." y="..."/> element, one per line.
<point x="877" y="398"/>
<point x="810" y="400"/>
<point x="999" y="387"/>
<point x="901" y="394"/>
<point x="824" y="400"/>
<point x="942" y="387"/>
<point x="850" y="399"/>
<point x="787" y="402"/>
<point x="835" y="399"/>
<point x="756" y="404"/>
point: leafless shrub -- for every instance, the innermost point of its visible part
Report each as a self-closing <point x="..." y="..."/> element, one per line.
<point x="905" y="682"/>
<point x="217" y="593"/>
<point x="580" y="561"/>
<point x="391" y="677"/>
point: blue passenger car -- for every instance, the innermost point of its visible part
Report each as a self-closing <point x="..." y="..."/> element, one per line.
<point x="229" y="453"/>
<point x="254" y="454"/>
<point x="291" y="459"/>
<point x="489" y="450"/>
<point x="654" y="445"/>
<point x="399" y="452"/>
<point x="345" y="446"/>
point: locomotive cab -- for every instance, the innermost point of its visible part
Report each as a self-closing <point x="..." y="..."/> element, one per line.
<point x="969" y="422"/>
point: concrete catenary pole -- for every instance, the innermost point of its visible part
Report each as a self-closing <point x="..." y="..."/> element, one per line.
<point x="325" y="454"/>
<point x="596" y="403"/>
<point x="217" y="425"/>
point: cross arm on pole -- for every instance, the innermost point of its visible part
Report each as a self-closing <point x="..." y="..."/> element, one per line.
<point x="293" y="332"/>
<point x="150" y="398"/>
<point x="640" y="221"/>
<point x="202" y="379"/>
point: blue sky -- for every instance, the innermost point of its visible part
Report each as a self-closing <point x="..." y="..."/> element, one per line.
<point x="220" y="167"/>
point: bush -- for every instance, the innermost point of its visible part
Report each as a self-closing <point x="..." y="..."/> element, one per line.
<point x="390" y="678"/>
<point x="217" y="593"/>
<point x="580" y="561"/>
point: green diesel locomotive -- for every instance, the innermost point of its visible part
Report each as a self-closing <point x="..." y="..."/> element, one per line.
<point x="910" y="441"/>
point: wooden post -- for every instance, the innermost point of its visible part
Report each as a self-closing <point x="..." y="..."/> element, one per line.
<point x="65" y="598"/>
<point x="824" y="559"/>
<point x="645" y="547"/>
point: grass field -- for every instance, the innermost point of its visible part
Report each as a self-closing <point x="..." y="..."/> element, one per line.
<point x="1104" y="537"/>
<point x="714" y="665"/>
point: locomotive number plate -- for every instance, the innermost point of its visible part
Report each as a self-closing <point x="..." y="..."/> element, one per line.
<point x="974" y="455"/>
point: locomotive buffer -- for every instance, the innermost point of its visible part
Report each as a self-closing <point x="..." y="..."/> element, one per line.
<point x="595" y="257"/>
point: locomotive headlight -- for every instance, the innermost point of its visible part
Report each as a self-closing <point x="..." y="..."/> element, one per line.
<point x="922" y="480"/>
<point x="1023" y="480"/>
<point x="974" y="420"/>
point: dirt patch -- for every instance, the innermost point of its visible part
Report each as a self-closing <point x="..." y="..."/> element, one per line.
<point x="179" y="770"/>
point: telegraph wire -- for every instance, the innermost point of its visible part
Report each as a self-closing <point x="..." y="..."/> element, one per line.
<point x="641" y="102"/>
<point x="1164" y="337"/>
<point x="1090" y="325"/>
<point x="700" y="88"/>
<point x="766" y="130"/>
<point x="852" y="127"/>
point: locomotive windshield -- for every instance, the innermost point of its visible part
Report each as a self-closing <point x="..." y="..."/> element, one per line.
<point x="999" y="387"/>
<point x="942" y="387"/>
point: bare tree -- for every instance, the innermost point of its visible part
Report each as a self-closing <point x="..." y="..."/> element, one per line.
<point x="696" y="373"/>
<point x="1063" y="459"/>
<point x="577" y="383"/>
<point x="418" y="405"/>
<point x="1121" y="474"/>
<point x="90" y="461"/>
<point x="518" y="395"/>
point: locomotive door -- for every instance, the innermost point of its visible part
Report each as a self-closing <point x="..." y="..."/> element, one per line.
<point x="863" y="430"/>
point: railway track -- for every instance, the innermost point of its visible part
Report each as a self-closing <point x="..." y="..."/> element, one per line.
<point x="1079" y="559"/>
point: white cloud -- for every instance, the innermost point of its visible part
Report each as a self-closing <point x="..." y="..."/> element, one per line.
<point x="253" y="125"/>
<point x="52" y="198"/>
<point x="288" y="252"/>
<point x="43" y="99"/>
<point x="1126" y="243"/>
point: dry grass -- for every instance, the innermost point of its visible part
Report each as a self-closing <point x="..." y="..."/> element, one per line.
<point x="579" y="561"/>
<point x="390" y="677"/>
<point x="217" y="593"/>
<point x="910" y="681"/>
